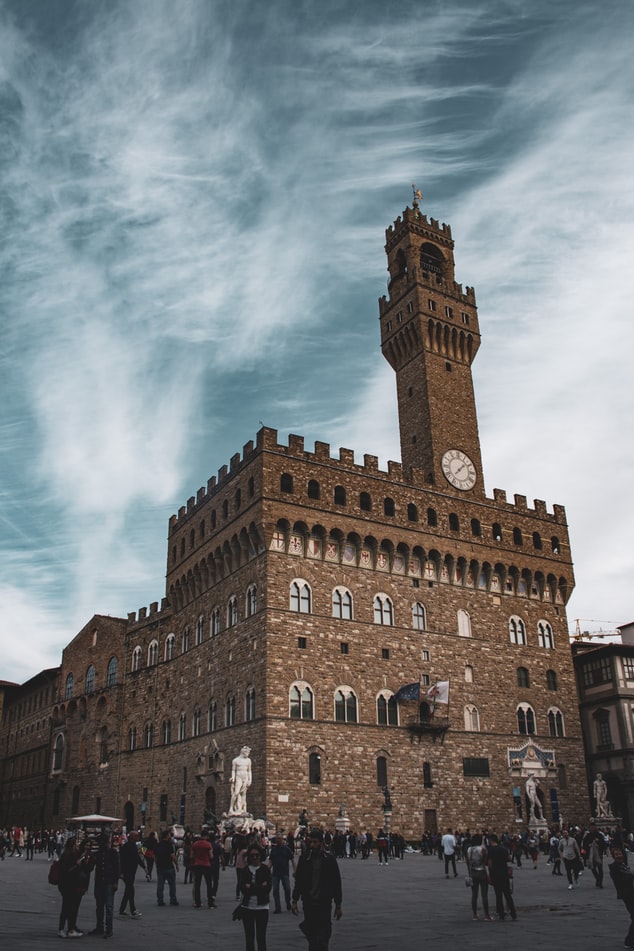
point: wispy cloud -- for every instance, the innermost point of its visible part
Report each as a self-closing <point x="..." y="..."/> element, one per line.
<point x="193" y="210"/>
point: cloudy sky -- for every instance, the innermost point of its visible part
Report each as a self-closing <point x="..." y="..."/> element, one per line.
<point x="193" y="198"/>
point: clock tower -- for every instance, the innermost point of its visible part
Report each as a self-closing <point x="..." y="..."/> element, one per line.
<point x="430" y="336"/>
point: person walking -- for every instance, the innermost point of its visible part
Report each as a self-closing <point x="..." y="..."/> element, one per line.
<point x="130" y="858"/>
<point x="166" y="865"/>
<point x="255" y="887"/>
<point x="279" y="858"/>
<point x="318" y="884"/>
<point x="623" y="878"/>
<point x="594" y="845"/>
<point x="476" y="857"/>
<point x="449" y="846"/>
<point x="149" y="854"/>
<point x="571" y="854"/>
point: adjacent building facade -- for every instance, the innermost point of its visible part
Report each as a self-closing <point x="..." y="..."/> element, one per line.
<point x="605" y="680"/>
<point x="304" y="588"/>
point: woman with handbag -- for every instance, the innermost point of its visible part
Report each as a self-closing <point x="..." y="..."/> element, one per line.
<point x="255" y="887"/>
<point x="479" y="874"/>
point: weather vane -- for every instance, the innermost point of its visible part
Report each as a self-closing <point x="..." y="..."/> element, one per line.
<point x="418" y="195"/>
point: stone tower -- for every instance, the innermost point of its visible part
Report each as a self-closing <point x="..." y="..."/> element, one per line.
<point x="430" y="336"/>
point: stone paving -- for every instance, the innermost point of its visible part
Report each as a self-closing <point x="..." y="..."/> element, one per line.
<point x="406" y="905"/>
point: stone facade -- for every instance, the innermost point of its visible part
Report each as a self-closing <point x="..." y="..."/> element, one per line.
<point x="305" y="588"/>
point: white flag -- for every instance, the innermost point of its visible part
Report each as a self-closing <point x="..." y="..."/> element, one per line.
<point x="439" y="692"/>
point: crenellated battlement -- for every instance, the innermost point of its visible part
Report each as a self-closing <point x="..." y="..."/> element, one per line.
<point x="344" y="461"/>
<point x="152" y="613"/>
<point x="413" y="217"/>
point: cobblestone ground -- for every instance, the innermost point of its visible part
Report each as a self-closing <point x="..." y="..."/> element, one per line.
<point x="407" y="905"/>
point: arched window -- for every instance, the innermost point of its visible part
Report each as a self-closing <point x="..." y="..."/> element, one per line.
<point x="388" y="507"/>
<point x="70" y="686"/>
<point x="345" y="705"/>
<point x="249" y="704"/>
<point x="517" y="537"/>
<point x="554" y="544"/>
<point x="170" y="646"/>
<point x="230" y="710"/>
<point x="232" y="611"/>
<point x="152" y="653"/>
<point x="300" y="596"/>
<point x="517" y="630"/>
<point x="185" y="640"/>
<point x="58" y="752"/>
<point x="212" y="717"/>
<point x="496" y="532"/>
<point x="412" y="513"/>
<point x="149" y="735"/>
<point x="252" y="600"/>
<point x="464" y="623"/>
<point x="237" y="499"/>
<point x="286" y="482"/>
<point x="132" y="738"/>
<point x="104" y="755"/>
<point x="365" y="502"/>
<point x="301" y="706"/>
<point x="166" y="732"/>
<point x="313" y="489"/>
<point x="225" y="509"/>
<point x="196" y="722"/>
<point x="215" y="621"/>
<point x="551" y="680"/>
<point x="468" y="674"/>
<point x="182" y="725"/>
<point x="383" y="610"/>
<point x="432" y="518"/>
<point x="454" y="522"/>
<point x="386" y="710"/>
<point x="136" y="658"/>
<point x="418" y="616"/>
<point x="525" y="719"/>
<point x="314" y="769"/>
<point x="476" y="527"/>
<point x="381" y="771"/>
<point x="90" y="679"/>
<point x="471" y="718"/>
<point x="111" y="675"/>
<point x="342" y="604"/>
<point x="523" y="679"/>
<point x="537" y="541"/>
<point x="555" y="722"/>
<point x="200" y="630"/>
<point x="545" y="637"/>
<point x="340" y="495"/>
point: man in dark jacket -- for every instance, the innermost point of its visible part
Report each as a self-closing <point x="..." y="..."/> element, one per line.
<point x="623" y="879"/>
<point x="318" y="883"/>
<point x="130" y="859"/>
<point x="106" y="884"/>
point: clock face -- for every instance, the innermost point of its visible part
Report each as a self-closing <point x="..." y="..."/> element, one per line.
<point x="458" y="469"/>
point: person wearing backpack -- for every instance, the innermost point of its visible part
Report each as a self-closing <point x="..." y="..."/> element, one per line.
<point x="479" y="873"/>
<point x="73" y="876"/>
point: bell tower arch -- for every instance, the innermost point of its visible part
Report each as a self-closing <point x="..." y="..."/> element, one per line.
<point x="430" y="336"/>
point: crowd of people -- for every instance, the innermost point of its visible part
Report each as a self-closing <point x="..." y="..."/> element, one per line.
<point x="283" y="868"/>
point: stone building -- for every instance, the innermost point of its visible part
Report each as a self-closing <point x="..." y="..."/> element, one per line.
<point x="605" y="681"/>
<point x="304" y="588"/>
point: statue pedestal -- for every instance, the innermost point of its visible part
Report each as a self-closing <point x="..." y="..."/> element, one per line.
<point x="342" y="824"/>
<point x="607" y="823"/>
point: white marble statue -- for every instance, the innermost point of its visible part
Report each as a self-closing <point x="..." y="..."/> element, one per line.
<point x="240" y="782"/>
<point x="534" y="805"/>
<point x="601" y="797"/>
